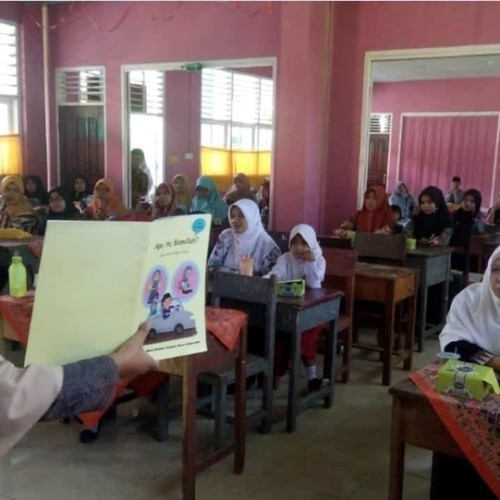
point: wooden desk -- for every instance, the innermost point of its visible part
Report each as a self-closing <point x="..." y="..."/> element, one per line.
<point x="295" y="316"/>
<point x="414" y="422"/>
<point x="189" y="367"/>
<point x="434" y="266"/>
<point x="389" y="286"/>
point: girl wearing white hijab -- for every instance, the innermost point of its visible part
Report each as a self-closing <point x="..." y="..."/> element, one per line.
<point x="473" y="324"/>
<point x="246" y="238"/>
<point x="304" y="261"/>
<point x="50" y="392"/>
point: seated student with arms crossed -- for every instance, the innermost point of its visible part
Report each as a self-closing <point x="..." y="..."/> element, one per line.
<point x="245" y="238"/>
<point x="304" y="261"/>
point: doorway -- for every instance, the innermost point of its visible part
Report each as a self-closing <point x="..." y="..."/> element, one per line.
<point x="81" y="143"/>
<point x="378" y="156"/>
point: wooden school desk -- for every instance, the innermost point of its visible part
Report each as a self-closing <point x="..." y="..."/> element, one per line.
<point x="389" y="286"/>
<point x="295" y="316"/>
<point x="414" y="422"/>
<point x="434" y="266"/>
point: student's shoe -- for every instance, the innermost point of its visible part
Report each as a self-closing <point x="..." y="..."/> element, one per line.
<point x="89" y="436"/>
<point x="315" y="384"/>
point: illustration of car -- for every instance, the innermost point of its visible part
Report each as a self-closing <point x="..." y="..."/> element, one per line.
<point x="177" y="322"/>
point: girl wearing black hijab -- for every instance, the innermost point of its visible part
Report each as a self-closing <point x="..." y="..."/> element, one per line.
<point x="60" y="207"/>
<point x="467" y="220"/>
<point x="35" y="191"/>
<point x="432" y="226"/>
<point x="81" y="192"/>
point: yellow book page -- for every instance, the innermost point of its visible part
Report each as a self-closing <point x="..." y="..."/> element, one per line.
<point x="173" y="290"/>
<point x="86" y="296"/>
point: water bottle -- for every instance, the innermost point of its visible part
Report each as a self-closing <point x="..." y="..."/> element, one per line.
<point x="17" y="277"/>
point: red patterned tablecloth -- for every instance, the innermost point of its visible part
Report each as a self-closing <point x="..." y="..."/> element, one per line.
<point x="475" y="425"/>
<point x="225" y="325"/>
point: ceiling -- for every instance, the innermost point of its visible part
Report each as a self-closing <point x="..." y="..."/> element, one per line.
<point x="438" y="68"/>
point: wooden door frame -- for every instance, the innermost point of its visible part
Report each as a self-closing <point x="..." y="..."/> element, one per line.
<point x="390" y="55"/>
<point x="57" y="104"/>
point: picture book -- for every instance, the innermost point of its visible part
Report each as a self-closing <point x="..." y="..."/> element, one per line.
<point x="99" y="280"/>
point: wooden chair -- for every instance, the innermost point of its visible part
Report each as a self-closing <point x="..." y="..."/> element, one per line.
<point x="340" y="275"/>
<point x="281" y="239"/>
<point x="243" y="292"/>
<point x="381" y="248"/>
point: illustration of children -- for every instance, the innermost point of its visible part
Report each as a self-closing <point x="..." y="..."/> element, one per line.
<point x="166" y="306"/>
<point x="153" y="305"/>
<point x="185" y="285"/>
<point x="155" y="283"/>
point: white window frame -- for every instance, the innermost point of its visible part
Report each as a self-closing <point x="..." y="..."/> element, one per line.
<point x="14" y="101"/>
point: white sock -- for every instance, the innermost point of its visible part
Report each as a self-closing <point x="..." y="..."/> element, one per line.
<point x="311" y="372"/>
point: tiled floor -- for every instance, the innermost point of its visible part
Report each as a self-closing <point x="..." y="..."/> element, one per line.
<point x="341" y="453"/>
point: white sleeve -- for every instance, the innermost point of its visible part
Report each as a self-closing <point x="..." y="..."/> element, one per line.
<point x="280" y="268"/>
<point x="315" y="272"/>
<point x="25" y="396"/>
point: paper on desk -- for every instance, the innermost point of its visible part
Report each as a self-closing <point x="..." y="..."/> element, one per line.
<point x="99" y="280"/>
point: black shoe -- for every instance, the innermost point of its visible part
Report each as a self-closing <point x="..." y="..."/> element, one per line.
<point x="88" y="436"/>
<point x="315" y="384"/>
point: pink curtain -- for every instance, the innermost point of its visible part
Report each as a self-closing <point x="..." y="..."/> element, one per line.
<point x="435" y="148"/>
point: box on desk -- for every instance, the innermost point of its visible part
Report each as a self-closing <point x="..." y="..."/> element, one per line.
<point x="466" y="380"/>
<point x="291" y="288"/>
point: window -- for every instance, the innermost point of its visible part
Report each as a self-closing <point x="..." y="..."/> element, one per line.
<point x="380" y="123"/>
<point x="236" y="125"/>
<point x="10" y="142"/>
<point x="85" y="86"/>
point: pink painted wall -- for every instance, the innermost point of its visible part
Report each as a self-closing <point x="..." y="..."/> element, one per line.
<point x="32" y="106"/>
<point x="427" y="96"/>
<point x="197" y="31"/>
<point x="182" y="123"/>
<point x="364" y="26"/>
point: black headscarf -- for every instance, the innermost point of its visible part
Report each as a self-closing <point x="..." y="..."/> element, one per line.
<point x="69" y="213"/>
<point x="463" y="221"/>
<point x="80" y="196"/>
<point x="40" y="194"/>
<point x="427" y="225"/>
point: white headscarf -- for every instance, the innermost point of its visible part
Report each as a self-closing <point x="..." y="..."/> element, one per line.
<point x="309" y="235"/>
<point x="254" y="241"/>
<point x="475" y="315"/>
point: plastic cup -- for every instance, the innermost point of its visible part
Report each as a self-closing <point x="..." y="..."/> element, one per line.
<point x="246" y="266"/>
<point x="411" y="244"/>
<point x="443" y="357"/>
<point x="350" y="234"/>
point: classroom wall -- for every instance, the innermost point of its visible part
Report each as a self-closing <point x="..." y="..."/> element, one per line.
<point x="364" y="26"/>
<point x="294" y="32"/>
<point x="32" y="124"/>
<point x="432" y="96"/>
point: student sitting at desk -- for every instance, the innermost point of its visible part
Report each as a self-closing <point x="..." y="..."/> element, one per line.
<point x="164" y="202"/>
<point x="182" y="192"/>
<point x="35" y="191"/>
<point x="493" y="217"/>
<point x="471" y="327"/>
<point x="60" y="207"/>
<point x="467" y="219"/>
<point x="15" y="210"/>
<point x="106" y="205"/>
<point x="208" y="200"/>
<point x="304" y="261"/>
<point x="80" y="192"/>
<point x="432" y="226"/>
<point x="246" y="238"/>
<point x="374" y="215"/>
